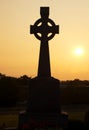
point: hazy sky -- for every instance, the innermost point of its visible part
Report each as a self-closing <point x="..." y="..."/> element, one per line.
<point x="19" y="51"/>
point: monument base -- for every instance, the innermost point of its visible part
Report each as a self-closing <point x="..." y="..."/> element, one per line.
<point x="44" y="95"/>
<point x="39" y="121"/>
<point x="43" y="109"/>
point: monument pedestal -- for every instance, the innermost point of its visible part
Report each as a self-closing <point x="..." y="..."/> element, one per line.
<point x="44" y="95"/>
<point x="43" y="109"/>
<point x="36" y="121"/>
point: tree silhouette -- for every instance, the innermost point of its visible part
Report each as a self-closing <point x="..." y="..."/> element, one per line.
<point x="7" y="91"/>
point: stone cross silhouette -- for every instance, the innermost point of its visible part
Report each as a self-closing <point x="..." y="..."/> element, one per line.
<point x="44" y="30"/>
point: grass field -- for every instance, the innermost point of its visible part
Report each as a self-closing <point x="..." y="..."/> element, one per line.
<point x="11" y="120"/>
<point x="77" y="115"/>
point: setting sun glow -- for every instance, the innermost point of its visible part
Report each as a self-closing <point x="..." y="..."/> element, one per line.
<point x="78" y="51"/>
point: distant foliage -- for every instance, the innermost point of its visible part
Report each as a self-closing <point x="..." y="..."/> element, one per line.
<point x="24" y="80"/>
<point x="75" y="83"/>
<point x="75" y="92"/>
<point x="75" y="95"/>
<point x="7" y="91"/>
<point x="12" y="89"/>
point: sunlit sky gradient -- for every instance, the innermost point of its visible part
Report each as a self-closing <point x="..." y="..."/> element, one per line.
<point x="19" y="51"/>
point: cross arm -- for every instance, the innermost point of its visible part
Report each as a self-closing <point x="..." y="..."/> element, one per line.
<point x="35" y="29"/>
<point x="55" y="29"/>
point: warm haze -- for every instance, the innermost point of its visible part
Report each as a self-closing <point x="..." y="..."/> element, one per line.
<point x="19" y="51"/>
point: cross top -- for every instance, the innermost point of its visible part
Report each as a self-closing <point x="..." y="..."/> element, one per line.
<point x="44" y="28"/>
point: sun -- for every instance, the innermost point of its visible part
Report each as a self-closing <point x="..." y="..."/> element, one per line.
<point x="79" y="51"/>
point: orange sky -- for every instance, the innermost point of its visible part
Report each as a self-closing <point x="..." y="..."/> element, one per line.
<point x="19" y="51"/>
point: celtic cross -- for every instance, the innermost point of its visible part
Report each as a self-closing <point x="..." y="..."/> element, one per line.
<point x="44" y="30"/>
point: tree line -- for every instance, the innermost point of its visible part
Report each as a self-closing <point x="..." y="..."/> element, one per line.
<point x="13" y="90"/>
<point x="9" y="89"/>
